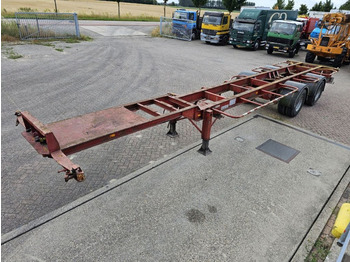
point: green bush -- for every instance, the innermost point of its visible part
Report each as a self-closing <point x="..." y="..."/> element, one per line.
<point x="9" y="31"/>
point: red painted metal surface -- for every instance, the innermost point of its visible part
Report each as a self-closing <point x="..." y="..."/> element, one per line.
<point x="59" y="139"/>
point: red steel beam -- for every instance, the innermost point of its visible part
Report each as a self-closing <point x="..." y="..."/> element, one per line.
<point x="53" y="140"/>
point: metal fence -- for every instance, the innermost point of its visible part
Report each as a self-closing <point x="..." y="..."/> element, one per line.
<point x="176" y="28"/>
<point x="33" y="25"/>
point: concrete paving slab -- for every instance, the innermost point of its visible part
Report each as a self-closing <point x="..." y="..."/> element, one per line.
<point x="236" y="204"/>
<point x="114" y="30"/>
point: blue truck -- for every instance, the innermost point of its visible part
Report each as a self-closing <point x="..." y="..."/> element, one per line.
<point x="250" y="28"/>
<point x="186" y="24"/>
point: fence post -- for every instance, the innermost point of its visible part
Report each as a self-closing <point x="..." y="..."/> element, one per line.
<point x="37" y="24"/>
<point x="77" y="31"/>
<point x="160" y="27"/>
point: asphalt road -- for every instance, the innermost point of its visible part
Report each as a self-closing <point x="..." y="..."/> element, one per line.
<point x="110" y="71"/>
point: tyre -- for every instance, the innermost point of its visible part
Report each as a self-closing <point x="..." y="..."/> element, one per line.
<point x="256" y="45"/>
<point x="292" y="53"/>
<point x="224" y="40"/>
<point x="338" y="60"/>
<point x="247" y="73"/>
<point x="270" y="50"/>
<point x="310" y="57"/>
<point x="193" y="36"/>
<point x="315" y="90"/>
<point x="235" y="46"/>
<point x="292" y="104"/>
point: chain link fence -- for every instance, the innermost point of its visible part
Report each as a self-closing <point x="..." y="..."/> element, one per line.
<point x="33" y="25"/>
<point x="177" y="28"/>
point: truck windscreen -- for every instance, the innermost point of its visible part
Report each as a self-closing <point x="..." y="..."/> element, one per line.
<point x="212" y="20"/>
<point x="180" y="15"/>
<point x="243" y="26"/>
<point x="282" y="28"/>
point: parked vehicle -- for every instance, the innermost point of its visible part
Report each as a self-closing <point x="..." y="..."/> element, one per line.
<point x="317" y="30"/>
<point x="335" y="43"/>
<point x="216" y="27"/>
<point x="284" y="36"/>
<point x="309" y="24"/>
<point x="187" y="23"/>
<point x="251" y="26"/>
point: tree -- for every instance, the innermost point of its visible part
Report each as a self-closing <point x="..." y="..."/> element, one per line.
<point x="328" y="6"/>
<point x="303" y="10"/>
<point x="199" y="4"/>
<point x="165" y="7"/>
<point x="118" y="1"/>
<point x="279" y="4"/>
<point x="231" y="5"/>
<point x="325" y="7"/>
<point x="290" y="5"/>
<point x="186" y="3"/>
<point x="317" y="7"/>
<point x="345" y="6"/>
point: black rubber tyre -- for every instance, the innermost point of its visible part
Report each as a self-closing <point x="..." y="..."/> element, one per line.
<point x="193" y="36"/>
<point x="315" y="89"/>
<point x="247" y="73"/>
<point x="315" y="93"/>
<point x="224" y="40"/>
<point x="310" y="57"/>
<point x="270" y="50"/>
<point x="292" y="104"/>
<point x="256" y="45"/>
<point x="235" y="46"/>
<point x="292" y="53"/>
<point x="338" y="60"/>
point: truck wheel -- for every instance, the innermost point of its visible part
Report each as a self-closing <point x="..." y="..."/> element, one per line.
<point x="292" y="104"/>
<point x="224" y="40"/>
<point x="193" y="36"/>
<point x="315" y="89"/>
<point x="256" y="45"/>
<point x="310" y="57"/>
<point x="292" y="53"/>
<point x="338" y="60"/>
<point x="235" y="46"/>
<point x="270" y="50"/>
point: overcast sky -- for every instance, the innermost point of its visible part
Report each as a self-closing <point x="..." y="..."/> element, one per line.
<point x="297" y="3"/>
<point x="309" y="3"/>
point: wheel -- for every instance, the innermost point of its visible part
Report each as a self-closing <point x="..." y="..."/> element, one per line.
<point x="256" y="45"/>
<point x="338" y="60"/>
<point x="310" y="57"/>
<point x="235" y="46"/>
<point x="315" y="93"/>
<point x="270" y="50"/>
<point x="207" y="42"/>
<point x="224" y="40"/>
<point x="247" y="73"/>
<point x="315" y="90"/>
<point x="292" y="104"/>
<point x="193" y="36"/>
<point x="292" y="53"/>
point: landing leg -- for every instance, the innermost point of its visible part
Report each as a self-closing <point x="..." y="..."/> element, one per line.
<point x="172" y="131"/>
<point x="206" y="127"/>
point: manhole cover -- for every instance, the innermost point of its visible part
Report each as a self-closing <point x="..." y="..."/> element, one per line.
<point x="278" y="150"/>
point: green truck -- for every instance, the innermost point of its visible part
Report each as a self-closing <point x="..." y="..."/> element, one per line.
<point x="284" y="36"/>
<point x="251" y="26"/>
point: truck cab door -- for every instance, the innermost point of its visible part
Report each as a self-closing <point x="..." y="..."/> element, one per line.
<point x="225" y="23"/>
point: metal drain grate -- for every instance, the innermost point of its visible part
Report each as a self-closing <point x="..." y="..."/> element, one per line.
<point x="278" y="150"/>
